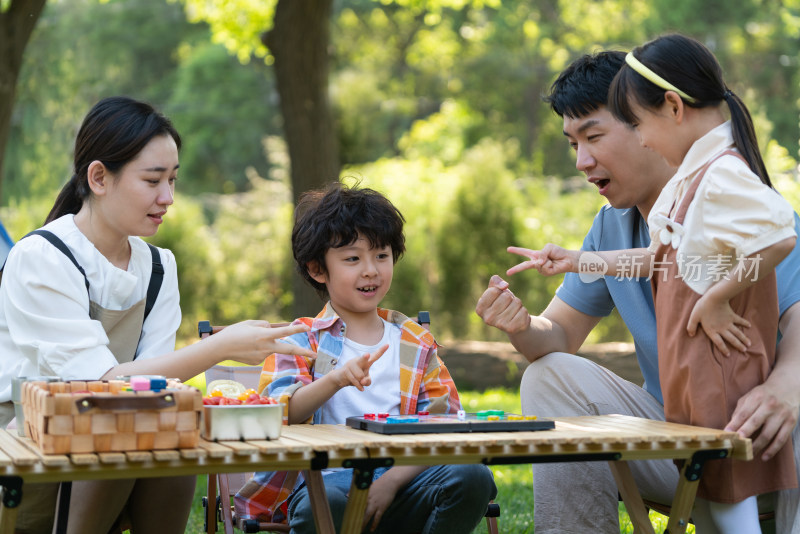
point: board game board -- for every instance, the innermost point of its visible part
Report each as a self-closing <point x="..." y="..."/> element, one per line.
<point x="424" y="423"/>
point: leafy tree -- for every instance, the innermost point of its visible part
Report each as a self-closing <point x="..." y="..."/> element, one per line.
<point x="225" y="124"/>
<point x="434" y="102"/>
<point x="17" y="20"/>
<point x="297" y="33"/>
<point x="72" y="62"/>
<point x="483" y="218"/>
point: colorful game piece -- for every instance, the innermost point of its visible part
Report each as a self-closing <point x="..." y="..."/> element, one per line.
<point x="140" y="383"/>
<point x="157" y="384"/>
<point x="462" y="415"/>
<point x="369" y="416"/>
<point x="423" y="413"/>
<point x="383" y="415"/>
<point x="402" y="419"/>
<point x="493" y="418"/>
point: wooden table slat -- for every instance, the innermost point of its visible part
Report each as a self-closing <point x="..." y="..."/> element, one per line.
<point x="5" y="459"/>
<point x="17" y="451"/>
<point x="112" y="457"/>
<point x="328" y="436"/>
<point x="214" y="449"/>
<point x="46" y="459"/>
<point x="632" y="438"/>
<point x="139" y="456"/>
<point x="240" y="448"/>
<point x="84" y="459"/>
<point x="277" y="447"/>
<point x="193" y="453"/>
<point x="167" y="455"/>
<point x="294" y="445"/>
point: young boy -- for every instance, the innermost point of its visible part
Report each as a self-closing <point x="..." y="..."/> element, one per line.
<point x="346" y="242"/>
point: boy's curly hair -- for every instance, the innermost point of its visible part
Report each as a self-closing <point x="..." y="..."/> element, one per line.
<point x="336" y="216"/>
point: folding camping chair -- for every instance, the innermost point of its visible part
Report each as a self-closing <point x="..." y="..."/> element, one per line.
<point x="229" y="483"/>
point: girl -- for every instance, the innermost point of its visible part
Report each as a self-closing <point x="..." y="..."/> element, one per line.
<point x="76" y="301"/>
<point x="717" y="231"/>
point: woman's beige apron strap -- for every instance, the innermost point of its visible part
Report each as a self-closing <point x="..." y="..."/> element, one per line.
<point x="123" y="328"/>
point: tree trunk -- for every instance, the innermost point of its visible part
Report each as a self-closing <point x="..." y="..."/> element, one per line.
<point x="16" y="26"/>
<point x="299" y="42"/>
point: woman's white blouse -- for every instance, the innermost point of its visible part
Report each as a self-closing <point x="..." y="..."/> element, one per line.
<point x="733" y="214"/>
<point x="45" y="327"/>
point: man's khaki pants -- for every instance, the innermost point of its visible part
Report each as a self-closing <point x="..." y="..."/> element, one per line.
<point x="580" y="497"/>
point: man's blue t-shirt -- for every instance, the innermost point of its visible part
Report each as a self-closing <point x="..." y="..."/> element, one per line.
<point x="616" y="229"/>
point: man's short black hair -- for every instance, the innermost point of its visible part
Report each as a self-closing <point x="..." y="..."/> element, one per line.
<point x="583" y="86"/>
<point x="336" y="216"/>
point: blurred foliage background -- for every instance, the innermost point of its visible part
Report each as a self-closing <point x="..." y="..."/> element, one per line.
<point x="437" y="104"/>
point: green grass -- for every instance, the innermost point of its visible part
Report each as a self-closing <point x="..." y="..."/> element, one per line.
<point x="514" y="482"/>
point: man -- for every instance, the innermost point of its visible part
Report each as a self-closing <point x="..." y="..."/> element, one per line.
<point x="581" y="498"/>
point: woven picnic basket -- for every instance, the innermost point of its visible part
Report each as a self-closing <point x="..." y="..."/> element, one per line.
<point x="103" y="416"/>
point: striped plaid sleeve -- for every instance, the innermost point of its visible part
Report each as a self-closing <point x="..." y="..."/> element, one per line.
<point x="438" y="392"/>
<point x="283" y="374"/>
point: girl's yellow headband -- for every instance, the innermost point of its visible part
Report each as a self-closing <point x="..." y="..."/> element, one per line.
<point x="642" y="69"/>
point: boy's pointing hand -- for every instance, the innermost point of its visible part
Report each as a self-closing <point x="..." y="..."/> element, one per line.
<point x="356" y="371"/>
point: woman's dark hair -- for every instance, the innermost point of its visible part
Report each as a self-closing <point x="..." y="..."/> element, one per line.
<point x="336" y="216"/>
<point x="691" y="67"/>
<point x="114" y="132"/>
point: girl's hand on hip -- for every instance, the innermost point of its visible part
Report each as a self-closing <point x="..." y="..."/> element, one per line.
<point x="720" y="323"/>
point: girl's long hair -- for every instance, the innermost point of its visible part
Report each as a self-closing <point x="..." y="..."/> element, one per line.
<point x="690" y="66"/>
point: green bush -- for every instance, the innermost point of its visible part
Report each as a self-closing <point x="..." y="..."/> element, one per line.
<point x="186" y="234"/>
<point x="483" y="218"/>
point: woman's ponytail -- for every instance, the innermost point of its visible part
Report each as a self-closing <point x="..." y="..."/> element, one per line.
<point x="69" y="200"/>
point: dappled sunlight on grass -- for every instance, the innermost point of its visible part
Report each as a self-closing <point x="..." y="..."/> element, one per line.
<point x="515" y="497"/>
<point x="491" y="399"/>
<point x="659" y="522"/>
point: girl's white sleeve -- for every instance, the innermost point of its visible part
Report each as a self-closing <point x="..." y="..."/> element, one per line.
<point x="741" y="213"/>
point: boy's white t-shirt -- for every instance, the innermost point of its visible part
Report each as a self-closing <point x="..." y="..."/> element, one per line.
<point x="383" y="395"/>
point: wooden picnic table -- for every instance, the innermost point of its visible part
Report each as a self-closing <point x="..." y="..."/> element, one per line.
<point x="311" y="448"/>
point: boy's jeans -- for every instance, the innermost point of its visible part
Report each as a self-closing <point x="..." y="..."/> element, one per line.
<point x="442" y="499"/>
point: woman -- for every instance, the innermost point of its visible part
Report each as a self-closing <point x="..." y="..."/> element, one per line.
<point x="73" y="303"/>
